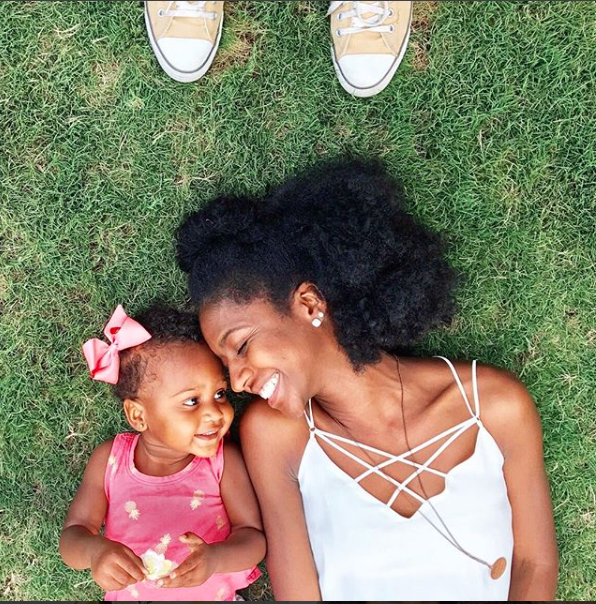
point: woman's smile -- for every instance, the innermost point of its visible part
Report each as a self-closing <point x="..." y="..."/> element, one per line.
<point x="268" y="389"/>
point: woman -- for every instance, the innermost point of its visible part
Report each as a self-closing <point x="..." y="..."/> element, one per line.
<point x="379" y="476"/>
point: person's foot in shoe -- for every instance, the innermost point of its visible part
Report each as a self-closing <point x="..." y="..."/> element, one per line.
<point x="369" y="42"/>
<point x="184" y="36"/>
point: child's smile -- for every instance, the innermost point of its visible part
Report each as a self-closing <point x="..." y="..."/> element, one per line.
<point x="212" y="435"/>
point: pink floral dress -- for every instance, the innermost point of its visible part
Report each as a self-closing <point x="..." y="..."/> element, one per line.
<point x="149" y="513"/>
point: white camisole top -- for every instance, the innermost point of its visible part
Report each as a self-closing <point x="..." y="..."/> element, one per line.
<point x="364" y="550"/>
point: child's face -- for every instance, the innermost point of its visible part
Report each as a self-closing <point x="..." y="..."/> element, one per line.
<point x="184" y="397"/>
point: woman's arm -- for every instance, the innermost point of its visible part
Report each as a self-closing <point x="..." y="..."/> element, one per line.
<point x="510" y="414"/>
<point x="113" y="565"/>
<point x="272" y="450"/>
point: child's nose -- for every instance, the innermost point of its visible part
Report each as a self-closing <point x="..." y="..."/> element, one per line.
<point x="212" y="412"/>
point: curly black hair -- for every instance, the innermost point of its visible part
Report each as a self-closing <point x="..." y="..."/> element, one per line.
<point x="166" y="325"/>
<point x="341" y="226"/>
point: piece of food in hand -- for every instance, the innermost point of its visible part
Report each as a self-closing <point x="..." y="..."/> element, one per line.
<point x="157" y="565"/>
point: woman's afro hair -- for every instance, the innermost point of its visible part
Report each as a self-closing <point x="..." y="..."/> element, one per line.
<point x="166" y="325"/>
<point x="340" y="226"/>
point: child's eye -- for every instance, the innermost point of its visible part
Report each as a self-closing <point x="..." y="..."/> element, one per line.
<point x="242" y="348"/>
<point x="191" y="402"/>
<point x="220" y="394"/>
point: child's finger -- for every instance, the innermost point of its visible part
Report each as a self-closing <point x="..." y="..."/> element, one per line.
<point x="185" y="567"/>
<point x="185" y="575"/>
<point x="122" y="577"/>
<point x="192" y="540"/>
<point x="187" y="580"/>
<point x="174" y="583"/>
<point x="138" y="562"/>
<point x="133" y="568"/>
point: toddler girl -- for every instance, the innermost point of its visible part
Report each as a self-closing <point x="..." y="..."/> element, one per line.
<point x="177" y="507"/>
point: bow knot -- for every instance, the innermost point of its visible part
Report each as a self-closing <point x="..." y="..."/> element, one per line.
<point x="104" y="359"/>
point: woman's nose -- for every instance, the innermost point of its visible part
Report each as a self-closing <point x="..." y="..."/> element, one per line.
<point x="239" y="377"/>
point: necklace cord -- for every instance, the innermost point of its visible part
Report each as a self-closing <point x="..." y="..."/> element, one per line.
<point x="453" y="540"/>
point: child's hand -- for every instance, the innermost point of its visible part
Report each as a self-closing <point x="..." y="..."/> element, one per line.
<point x="196" y="568"/>
<point x="114" y="566"/>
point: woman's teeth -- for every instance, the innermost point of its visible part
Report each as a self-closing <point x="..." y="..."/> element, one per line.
<point x="268" y="389"/>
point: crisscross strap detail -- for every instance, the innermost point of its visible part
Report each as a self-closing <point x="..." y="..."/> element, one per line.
<point x="451" y="434"/>
<point x="400" y="486"/>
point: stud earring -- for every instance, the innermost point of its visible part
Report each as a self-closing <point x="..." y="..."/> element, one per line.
<point x="317" y="321"/>
<point x="141" y="426"/>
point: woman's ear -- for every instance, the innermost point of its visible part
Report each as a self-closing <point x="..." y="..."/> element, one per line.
<point x="135" y="414"/>
<point x="308" y="302"/>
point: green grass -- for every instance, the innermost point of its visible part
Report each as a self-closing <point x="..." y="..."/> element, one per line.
<point x="490" y="123"/>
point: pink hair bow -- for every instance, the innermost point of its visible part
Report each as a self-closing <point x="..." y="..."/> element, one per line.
<point x="104" y="359"/>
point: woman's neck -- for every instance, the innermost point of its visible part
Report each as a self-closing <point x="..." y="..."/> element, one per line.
<point x="353" y="399"/>
<point x="153" y="459"/>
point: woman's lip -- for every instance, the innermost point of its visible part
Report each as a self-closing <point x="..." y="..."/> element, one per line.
<point x="275" y="394"/>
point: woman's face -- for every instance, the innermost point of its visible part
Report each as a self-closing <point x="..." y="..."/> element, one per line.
<point x="269" y="354"/>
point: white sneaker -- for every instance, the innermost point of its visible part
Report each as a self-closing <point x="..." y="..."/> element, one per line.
<point x="184" y="36"/>
<point x="369" y="41"/>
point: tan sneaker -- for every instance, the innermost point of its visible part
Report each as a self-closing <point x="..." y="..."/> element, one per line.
<point x="369" y="42"/>
<point x="184" y="36"/>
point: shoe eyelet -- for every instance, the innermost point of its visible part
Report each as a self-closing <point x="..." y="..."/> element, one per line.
<point x="160" y="12"/>
<point x="340" y="17"/>
<point x="338" y="32"/>
<point x="391" y="13"/>
<point x="391" y="28"/>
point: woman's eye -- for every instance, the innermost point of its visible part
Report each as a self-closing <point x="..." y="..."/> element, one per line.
<point x="191" y="402"/>
<point x="220" y="394"/>
<point x="243" y="347"/>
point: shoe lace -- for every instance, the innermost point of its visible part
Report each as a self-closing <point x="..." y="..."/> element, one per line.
<point x="377" y="11"/>
<point x="182" y="8"/>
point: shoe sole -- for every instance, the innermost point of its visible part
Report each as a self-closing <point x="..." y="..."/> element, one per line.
<point x="381" y="85"/>
<point x="181" y="76"/>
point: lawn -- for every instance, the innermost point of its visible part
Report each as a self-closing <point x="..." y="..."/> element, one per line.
<point x="489" y="123"/>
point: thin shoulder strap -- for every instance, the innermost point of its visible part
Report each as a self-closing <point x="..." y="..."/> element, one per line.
<point x="475" y="389"/>
<point x="310" y="420"/>
<point x="462" y="390"/>
<point x="119" y="454"/>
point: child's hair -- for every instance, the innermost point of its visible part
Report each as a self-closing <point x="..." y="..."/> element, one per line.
<point x="341" y="226"/>
<point x="166" y="325"/>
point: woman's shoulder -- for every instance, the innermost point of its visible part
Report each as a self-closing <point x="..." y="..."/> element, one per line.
<point x="500" y="391"/>
<point x="259" y="413"/>
<point x="506" y="407"/>
<point x="502" y="395"/>
<point x="439" y="375"/>
<point x="269" y="429"/>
